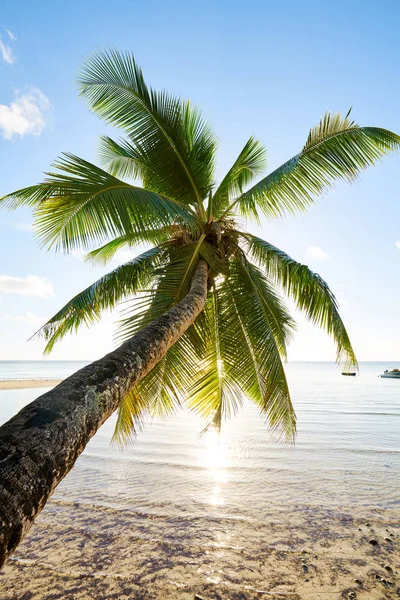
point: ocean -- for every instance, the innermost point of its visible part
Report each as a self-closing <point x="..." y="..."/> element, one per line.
<point x="182" y="489"/>
<point x="39" y="369"/>
<point x="347" y="448"/>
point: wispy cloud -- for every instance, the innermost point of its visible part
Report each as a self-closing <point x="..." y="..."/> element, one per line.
<point x="32" y="285"/>
<point x="6" y="52"/>
<point x="22" y="226"/>
<point x="397" y="244"/>
<point x="25" y="116"/>
<point x="316" y="252"/>
<point x="11" y="35"/>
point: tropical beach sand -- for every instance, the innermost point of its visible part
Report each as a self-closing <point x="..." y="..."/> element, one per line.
<point x="83" y="552"/>
<point x="19" y="384"/>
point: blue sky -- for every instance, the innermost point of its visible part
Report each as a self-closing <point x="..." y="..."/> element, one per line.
<point x="265" y="68"/>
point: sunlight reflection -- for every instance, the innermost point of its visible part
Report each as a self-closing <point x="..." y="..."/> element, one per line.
<point x="216" y="499"/>
<point x="215" y="460"/>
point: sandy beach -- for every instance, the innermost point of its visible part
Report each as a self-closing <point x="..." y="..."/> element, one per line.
<point x="90" y="553"/>
<point x="20" y="384"/>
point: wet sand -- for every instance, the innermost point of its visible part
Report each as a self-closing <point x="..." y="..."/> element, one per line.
<point x="90" y="552"/>
<point x="20" y="384"/>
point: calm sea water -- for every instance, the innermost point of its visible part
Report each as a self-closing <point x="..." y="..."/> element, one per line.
<point x="347" y="451"/>
<point x="39" y="369"/>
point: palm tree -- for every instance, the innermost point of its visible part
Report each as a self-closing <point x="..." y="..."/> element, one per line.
<point x="204" y="322"/>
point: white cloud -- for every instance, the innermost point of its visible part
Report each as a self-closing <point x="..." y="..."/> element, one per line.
<point x="397" y="244"/>
<point x="32" y="285"/>
<point x="29" y="317"/>
<point x="22" y="226"/>
<point x="316" y="252"/>
<point x="11" y="35"/>
<point x="24" y="116"/>
<point x="6" y="53"/>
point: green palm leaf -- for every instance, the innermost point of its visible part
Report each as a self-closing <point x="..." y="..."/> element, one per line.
<point x="87" y="306"/>
<point x="130" y="416"/>
<point x="83" y="205"/>
<point x="171" y="283"/>
<point x="275" y="312"/>
<point x="250" y="163"/>
<point x="211" y="394"/>
<point x="250" y="352"/>
<point x="105" y="253"/>
<point x="169" y="383"/>
<point x="310" y="292"/>
<point x="120" y="158"/>
<point x="176" y="145"/>
<point x="336" y="149"/>
<point x="159" y="394"/>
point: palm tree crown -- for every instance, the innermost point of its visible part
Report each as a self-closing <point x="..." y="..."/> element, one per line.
<point x="236" y="346"/>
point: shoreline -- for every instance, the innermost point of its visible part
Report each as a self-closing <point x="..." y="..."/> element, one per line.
<point x="21" y="384"/>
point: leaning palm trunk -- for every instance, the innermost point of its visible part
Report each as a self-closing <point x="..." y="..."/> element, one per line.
<point x="40" y="445"/>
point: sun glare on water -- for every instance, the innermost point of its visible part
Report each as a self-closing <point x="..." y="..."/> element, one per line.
<point x="214" y="458"/>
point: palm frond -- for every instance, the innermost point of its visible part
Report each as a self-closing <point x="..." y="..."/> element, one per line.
<point x="30" y="196"/>
<point x="176" y="144"/>
<point x="309" y="291"/>
<point x="83" y="205"/>
<point x="105" y="253"/>
<point x="235" y="353"/>
<point x="276" y="314"/>
<point x="132" y="410"/>
<point x="250" y="163"/>
<point x="211" y="394"/>
<point x="336" y="149"/>
<point x="161" y="392"/>
<point x="120" y="159"/>
<point x="251" y="355"/>
<point x="87" y="306"/>
<point x="172" y="282"/>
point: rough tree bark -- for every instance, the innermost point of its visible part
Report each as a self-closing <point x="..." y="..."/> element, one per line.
<point x="40" y="445"/>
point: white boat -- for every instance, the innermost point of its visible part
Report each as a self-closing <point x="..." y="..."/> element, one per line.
<point x="393" y="374"/>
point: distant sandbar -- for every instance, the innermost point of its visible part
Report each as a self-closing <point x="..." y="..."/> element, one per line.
<point x="20" y="384"/>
